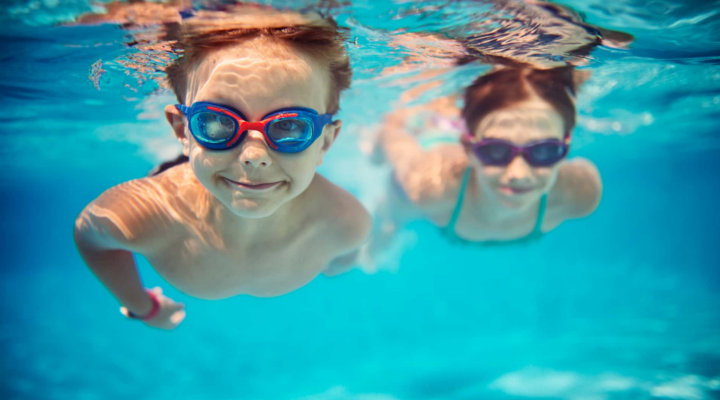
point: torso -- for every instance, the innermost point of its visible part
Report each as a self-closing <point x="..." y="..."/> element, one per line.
<point x="435" y="185"/>
<point x="258" y="268"/>
<point x="471" y="228"/>
<point x="202" y="261"/>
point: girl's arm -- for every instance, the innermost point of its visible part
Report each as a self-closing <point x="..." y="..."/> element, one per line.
<point x="426" y="176"/>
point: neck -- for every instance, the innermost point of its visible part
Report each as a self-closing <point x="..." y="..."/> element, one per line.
<point x="491" y="210"/>
<point x="237" y="226"/>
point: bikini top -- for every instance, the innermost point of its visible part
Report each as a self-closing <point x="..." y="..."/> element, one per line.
<point x="449" y="230"/>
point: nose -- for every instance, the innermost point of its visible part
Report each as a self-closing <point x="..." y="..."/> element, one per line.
<point x="254" y="150"/>
<point x="518" y="171"/>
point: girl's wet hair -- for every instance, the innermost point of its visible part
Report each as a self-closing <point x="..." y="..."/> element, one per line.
<point x="320" y="38"/>
<point x="512" y="85"/>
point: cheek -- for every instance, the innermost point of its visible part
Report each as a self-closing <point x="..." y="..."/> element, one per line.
<point x="545" y="177"/>
<point x="300" y="168"/>
<point x="489" y="173"/>
<point x="205" y="163"/>
<point x="485" y="173"/>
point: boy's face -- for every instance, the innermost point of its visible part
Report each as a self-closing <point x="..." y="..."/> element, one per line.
<point x="256" y="78"/>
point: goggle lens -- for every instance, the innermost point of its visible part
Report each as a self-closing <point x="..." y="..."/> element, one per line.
<point x="212" y="127"/>
<point x="290" y="131"/>
<point x="545" y="154"/>
<point x="495" y="154"/>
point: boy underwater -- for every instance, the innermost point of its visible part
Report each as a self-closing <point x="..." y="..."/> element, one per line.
<point x="247" y="214"/>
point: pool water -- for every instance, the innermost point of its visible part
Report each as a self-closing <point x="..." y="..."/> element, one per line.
<point x="624" y="304"/>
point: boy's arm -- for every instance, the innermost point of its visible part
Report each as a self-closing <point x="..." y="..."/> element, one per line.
<point x="116" y="269"/>
<point x="108" y="231"/>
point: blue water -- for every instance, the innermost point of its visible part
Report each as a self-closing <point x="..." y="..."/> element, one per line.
<point x="624" y="304"/>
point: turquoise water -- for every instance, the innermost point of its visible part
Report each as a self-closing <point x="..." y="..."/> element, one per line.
<point x="624" y="304"/>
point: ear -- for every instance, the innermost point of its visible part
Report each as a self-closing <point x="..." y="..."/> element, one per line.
<point x="177" y="121"/>
<point x="330" y="133"/>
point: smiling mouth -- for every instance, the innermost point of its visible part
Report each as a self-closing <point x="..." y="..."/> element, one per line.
<point x="253" y="185"/>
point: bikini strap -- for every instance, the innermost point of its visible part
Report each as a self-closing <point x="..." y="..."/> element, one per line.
<point x="450" y="228"/>
<point x="541" y="215"/>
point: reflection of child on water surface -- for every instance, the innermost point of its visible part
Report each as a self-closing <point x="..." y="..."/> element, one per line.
<point x="507" y="179"/>
<point x="533" y="33"/>
<point x="247" y="214"/>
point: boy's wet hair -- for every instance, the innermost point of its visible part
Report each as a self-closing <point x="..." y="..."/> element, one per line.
<point x="320" y="38"/>
<point x="511" y="85"/>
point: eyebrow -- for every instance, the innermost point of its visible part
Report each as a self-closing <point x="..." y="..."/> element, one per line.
<point x="541" y="121"/>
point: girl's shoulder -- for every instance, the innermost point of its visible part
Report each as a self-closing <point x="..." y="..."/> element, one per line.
<point x="578" y="189"/>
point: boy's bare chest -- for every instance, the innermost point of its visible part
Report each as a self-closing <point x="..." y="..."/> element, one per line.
<point x="212" y="270"/>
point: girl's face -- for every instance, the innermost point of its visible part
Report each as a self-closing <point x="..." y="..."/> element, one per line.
<point x="518" y="184"/>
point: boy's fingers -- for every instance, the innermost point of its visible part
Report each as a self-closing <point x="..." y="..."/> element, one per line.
<point x="177" y="317"/>
<point x="156" y="290"/>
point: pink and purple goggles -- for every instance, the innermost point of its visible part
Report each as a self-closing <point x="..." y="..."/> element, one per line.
<point x="498" y="152"/>
<point x="288" y="130"/>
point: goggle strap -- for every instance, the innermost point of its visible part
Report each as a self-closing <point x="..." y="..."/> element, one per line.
<point x="222" y="110"/>
<point x="325" y="119"/>
<point x="183" y="109"/>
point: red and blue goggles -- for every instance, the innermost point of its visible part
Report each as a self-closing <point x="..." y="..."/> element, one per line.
<point x="288" y="130"/>
<point x="541" y="153"/>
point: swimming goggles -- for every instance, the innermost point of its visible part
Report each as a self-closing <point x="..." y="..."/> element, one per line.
<point x="497" y="152"/>
<point x="288" y="130"/>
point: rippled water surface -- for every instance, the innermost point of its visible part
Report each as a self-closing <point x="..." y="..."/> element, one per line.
<point x="624" y="304"/>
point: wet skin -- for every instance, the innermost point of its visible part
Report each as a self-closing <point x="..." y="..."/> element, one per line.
<point x="248" y="220"/>
<point x="501" y="202"/>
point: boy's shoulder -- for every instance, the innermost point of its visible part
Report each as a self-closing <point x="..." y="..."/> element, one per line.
<point x="339" y="216"/>
<point x="140" y="214"/>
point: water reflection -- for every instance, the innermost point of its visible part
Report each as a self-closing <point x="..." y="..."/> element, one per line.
<point x="534" y="34"/>
<point x="539" y="34"/>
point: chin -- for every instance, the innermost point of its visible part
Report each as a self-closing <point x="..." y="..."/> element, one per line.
<point x="518" y="201"/>
<point x="253" y="208"/>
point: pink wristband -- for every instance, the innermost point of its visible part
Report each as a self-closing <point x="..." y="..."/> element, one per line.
<point x="153" y="311"/>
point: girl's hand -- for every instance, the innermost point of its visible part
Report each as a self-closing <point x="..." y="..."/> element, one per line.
<point x="170" y="315"/>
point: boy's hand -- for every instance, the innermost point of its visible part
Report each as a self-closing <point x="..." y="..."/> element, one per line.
<point x="170" y="315"/>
